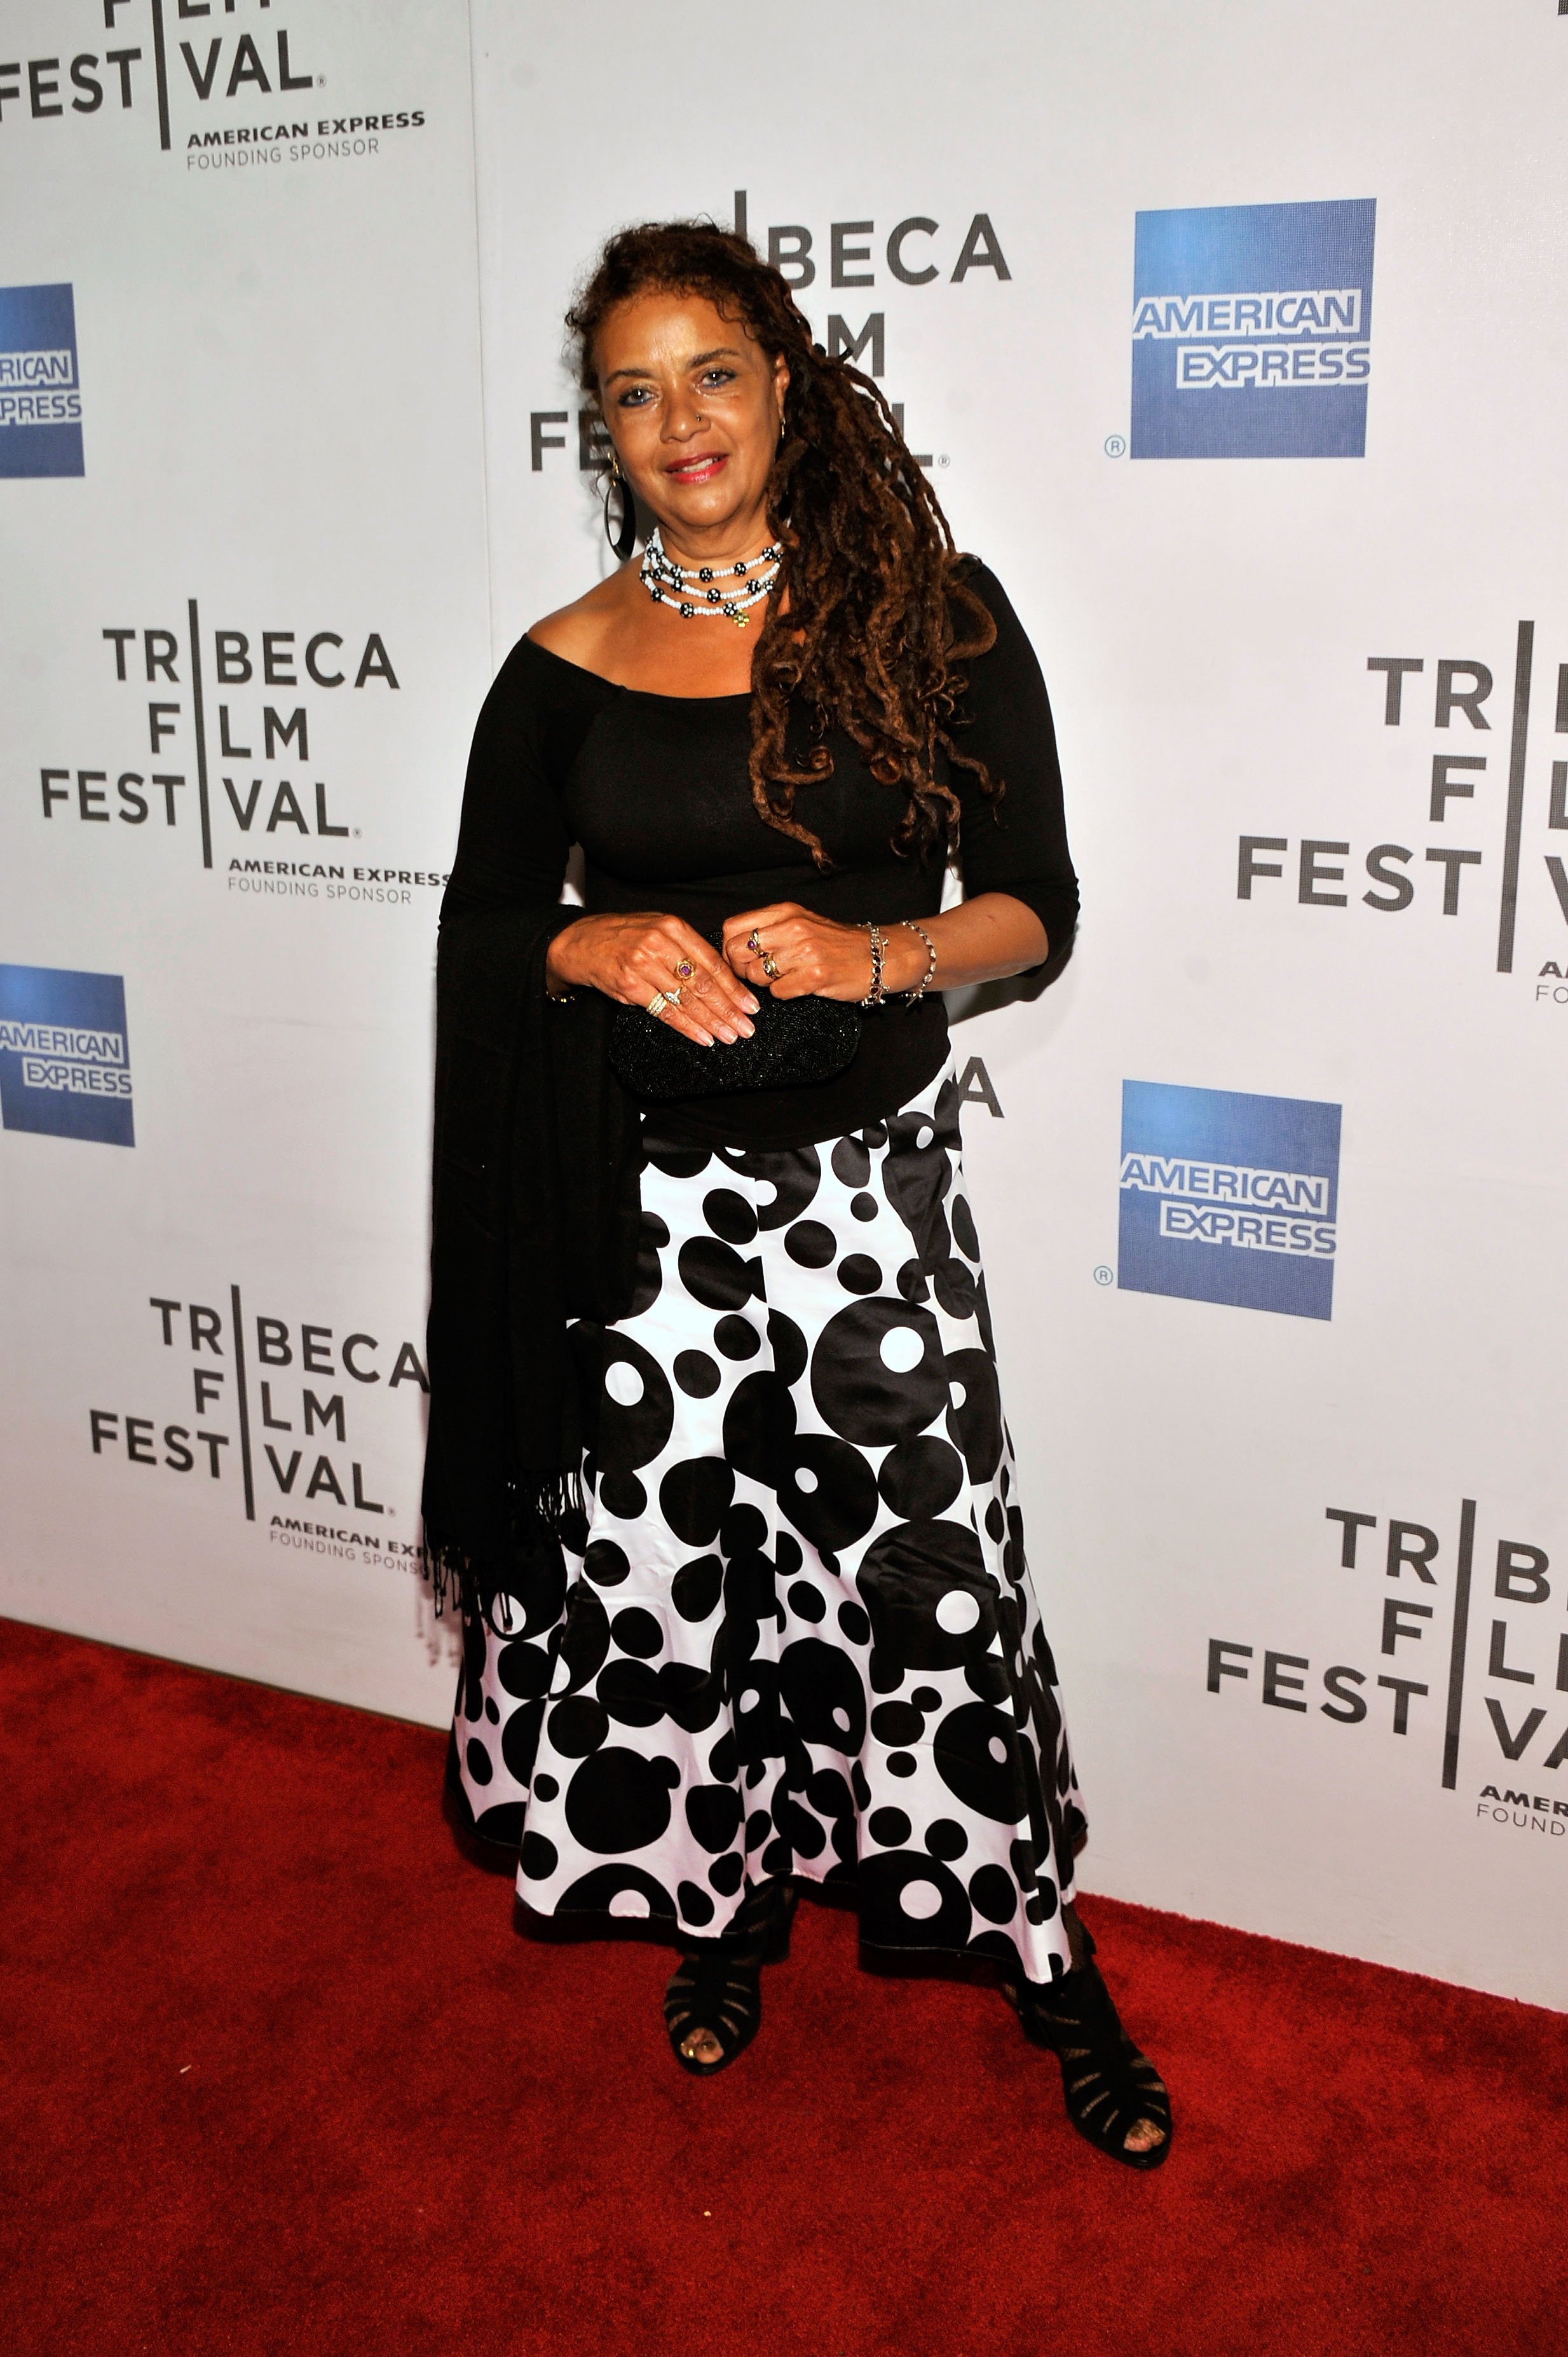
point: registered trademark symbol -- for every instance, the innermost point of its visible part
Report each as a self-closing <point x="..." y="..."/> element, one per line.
<point x="358" y="830"/>
<point x="1104" y="1275"/>
<point x="943" y="460"/>
<point x="320" y="81"/>
<point x="1115" y="446"/>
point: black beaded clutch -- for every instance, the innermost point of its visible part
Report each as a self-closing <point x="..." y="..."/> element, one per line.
<point x="796" y="1041"/>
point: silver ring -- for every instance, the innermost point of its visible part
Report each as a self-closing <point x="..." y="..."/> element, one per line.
<point x="659" y="1001"/>
<point x="771" y="967"/>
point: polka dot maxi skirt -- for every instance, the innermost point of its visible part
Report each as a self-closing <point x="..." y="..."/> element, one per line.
<point x="794" y="1634"/>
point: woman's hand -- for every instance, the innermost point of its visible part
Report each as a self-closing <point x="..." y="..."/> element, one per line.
<point x="629" y="958"/>
<point x="816" y="956"/>
<point x="982" y="940"/>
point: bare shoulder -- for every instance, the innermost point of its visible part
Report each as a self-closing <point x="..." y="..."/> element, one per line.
<point x="582" y="633"/>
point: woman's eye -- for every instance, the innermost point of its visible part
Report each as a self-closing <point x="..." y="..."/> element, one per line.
<point x="718" y="376"/>
<point x="636" y="398"/>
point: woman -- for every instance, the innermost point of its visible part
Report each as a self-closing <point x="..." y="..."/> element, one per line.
<point x="717" y="1462"/>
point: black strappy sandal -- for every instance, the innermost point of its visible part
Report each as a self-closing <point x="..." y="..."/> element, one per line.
<point x="717" y="1986"/>
<point x="1108" y="2084"/>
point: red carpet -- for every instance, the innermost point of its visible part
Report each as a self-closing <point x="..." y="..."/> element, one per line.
<point x="283" y="2076"/>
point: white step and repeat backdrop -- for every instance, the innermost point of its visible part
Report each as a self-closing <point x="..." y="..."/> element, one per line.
<point x="1230" y="338"/>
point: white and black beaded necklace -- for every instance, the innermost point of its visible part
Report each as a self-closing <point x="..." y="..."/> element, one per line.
<point x="702" y="589"/>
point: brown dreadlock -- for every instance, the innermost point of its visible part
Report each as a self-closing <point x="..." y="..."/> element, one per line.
<point x="875" y="586"/>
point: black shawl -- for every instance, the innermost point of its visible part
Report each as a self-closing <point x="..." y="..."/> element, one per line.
<point x="535" y="1222"/>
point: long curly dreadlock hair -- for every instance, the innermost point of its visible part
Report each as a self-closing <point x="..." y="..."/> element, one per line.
<point x="880" y="617"/>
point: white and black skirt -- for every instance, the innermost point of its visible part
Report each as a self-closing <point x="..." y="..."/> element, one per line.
<point x="797" y="1635"/>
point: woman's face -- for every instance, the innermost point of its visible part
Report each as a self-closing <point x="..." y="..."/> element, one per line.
<point x="694" y="406"/>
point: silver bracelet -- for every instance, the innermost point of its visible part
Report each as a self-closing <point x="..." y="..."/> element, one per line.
<point x="878" y="943"/>
<point x="914" y="996"/>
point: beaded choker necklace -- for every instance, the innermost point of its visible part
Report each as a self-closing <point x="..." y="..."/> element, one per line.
<point x="702" y="589"/>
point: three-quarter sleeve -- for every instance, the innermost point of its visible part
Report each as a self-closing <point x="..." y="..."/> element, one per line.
<point x="513" y="840"/>
<point x="1017" y="844"/>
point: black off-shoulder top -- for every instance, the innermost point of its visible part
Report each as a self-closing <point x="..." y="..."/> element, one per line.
<point x="655" y="790"/>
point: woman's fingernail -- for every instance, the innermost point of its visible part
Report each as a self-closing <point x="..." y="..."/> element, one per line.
<point x="750" y="1005"/>
<point x="747" y="1031"/>
<point x="726" y="1034"/>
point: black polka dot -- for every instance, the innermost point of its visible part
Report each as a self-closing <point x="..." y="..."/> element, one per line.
<point x="578" y="1726"/>
<point x="974" y="1412"/>
<point x="631" y="1693"/>
<point x="696" y="1588"/>
<point x="909" y="1899"/>
<point x="994" y="1894"/>
<point x="854" y="1624"/>
<point x="523" y="1670"/>
<point x="637" y="1408"/>
<point x="864" y="1207"/>
<point x="963" y="1219"/>
<point x="605" y="1562"/>
<point x="798" y="1827"/>
<point x="696" y="1374"/>
<point x="888" y="1826"/>
<point x="851" y="1162"/>
<point x="807" y="1602"/>
<point x="778" y="1857"/>
<point x="537" y="1857"/>
<point x="911" y="1282"/>
<point x="877" y="1373"/>
<point x="716" y="1275"/>
<point x="692" y="1496"/>
<point x="995" y="1521"/>
<point x="737" y="1338"/>
<point x="598" y="1891"/>
<point x="544" y="1786"/>
<point x="822" y="1693"/>
<point x="519" y="1744"/>
<point x="920" y="1479"/>
<point x="724" y="1758"/>
<point x="955" y="1287"/>
<point x="692" y="1696"/>
<point x="900" y="1763"/>
<point x="585" y="1638"/>
<point x="858" y="1273"/>
<point x="478" y="1759"/>
<point x="828" y="1491"/>
<point x="788" y="1345"/>
<point x="697" y="1907"/>
<point x="874" y="1134"/>
<point x="827" y="1791"/>
<point x="933" y="1603"/>
<point x="713" y="1814"/>
<point x="946" y="1838"/>
<point x="637" y="1632"/>
<point x="760" y="1422"/>
<point x="624" y="1495"/>
<point x="810" y="1244"/>
<point x="617" y="1801"/>
<point x="727" y="1874"/>
<point x="886" y="1676"/>
<point x="491" y="1711"/>
<point x="758" y="1826"/>
<point x="729" y="1215"/>
<point x="975" y="1750"/>
<point x="897" y="1722"/>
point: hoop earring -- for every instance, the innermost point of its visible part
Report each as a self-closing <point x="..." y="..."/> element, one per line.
<point x="622" y="538"/>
